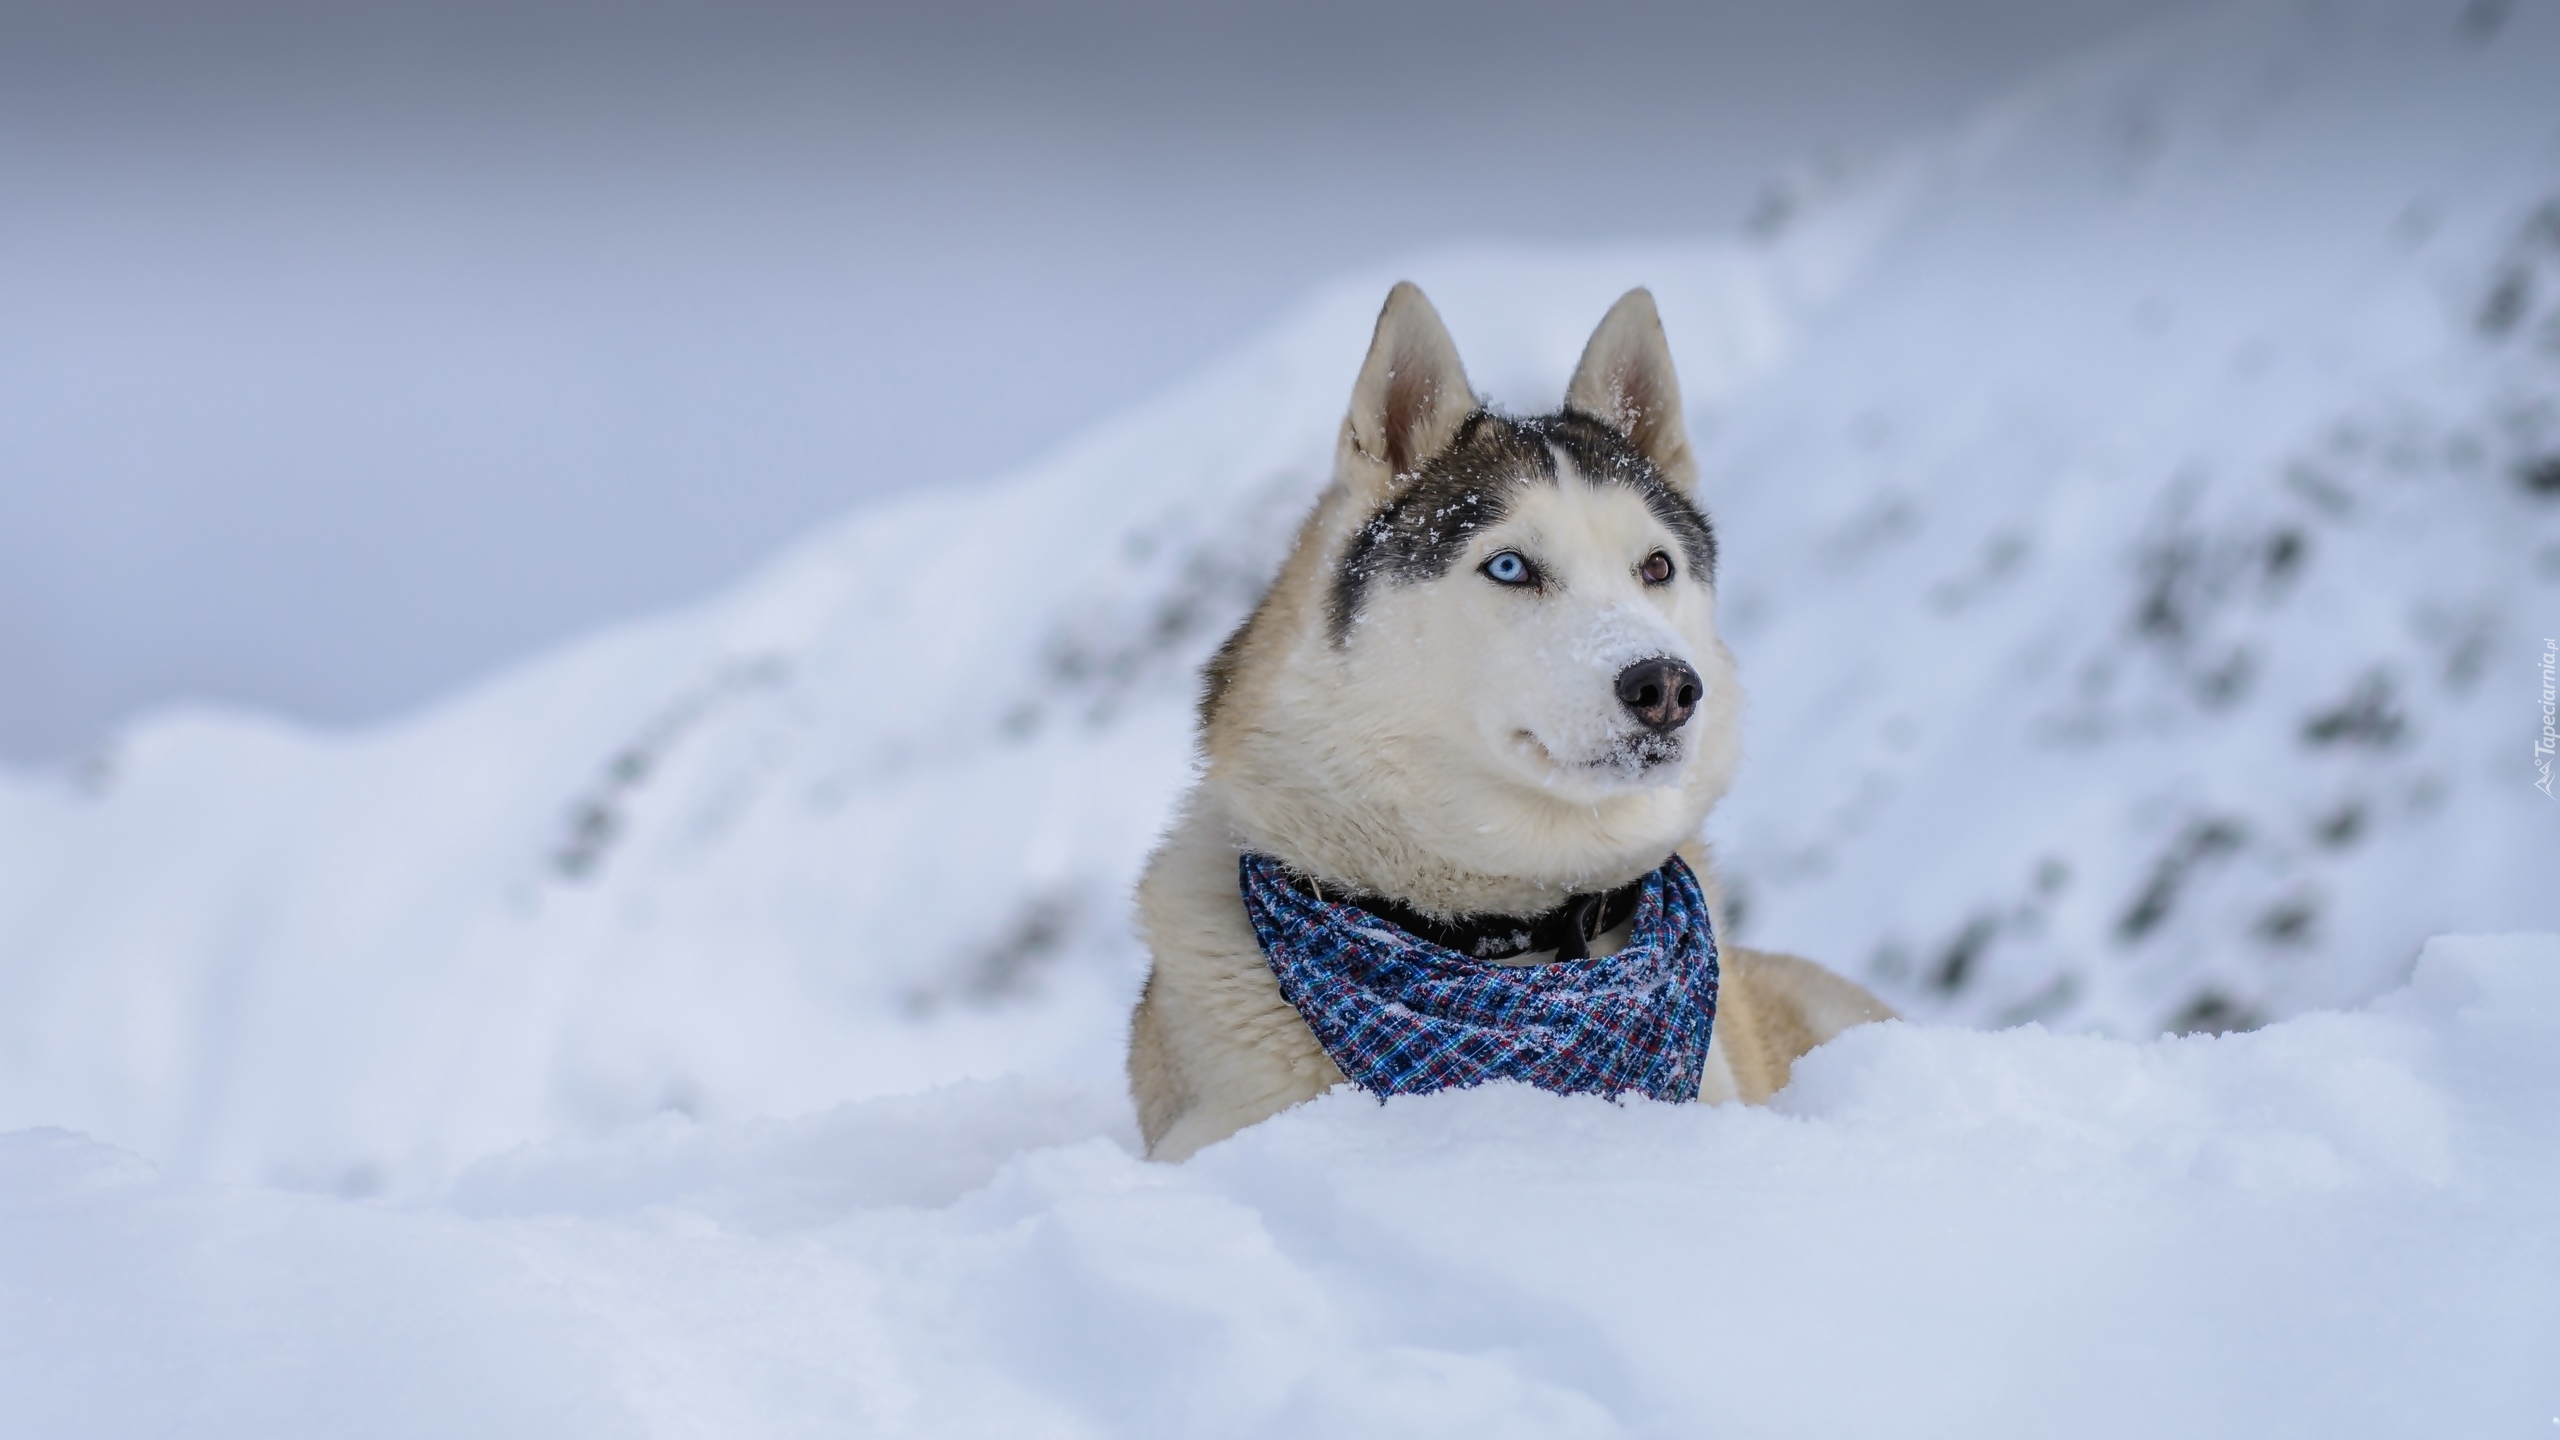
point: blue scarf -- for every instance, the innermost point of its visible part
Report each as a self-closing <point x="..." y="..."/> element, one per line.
<point x="1403" y="1016"/>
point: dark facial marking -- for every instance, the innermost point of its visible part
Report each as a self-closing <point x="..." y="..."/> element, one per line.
<point x="1469" y="486"/>
<point x="1420" y="532"/>
<point x="1605" y="457"/>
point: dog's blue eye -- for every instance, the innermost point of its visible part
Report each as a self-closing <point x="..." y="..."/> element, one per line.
<point x="1508" y="568"/>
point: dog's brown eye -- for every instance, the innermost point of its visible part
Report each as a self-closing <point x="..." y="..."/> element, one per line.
<point x="1656" y="569"/>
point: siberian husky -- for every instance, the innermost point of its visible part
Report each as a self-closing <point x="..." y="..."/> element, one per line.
<point x="1486" y="680"/>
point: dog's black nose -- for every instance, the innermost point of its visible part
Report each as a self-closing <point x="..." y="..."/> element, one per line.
<point x="1662" y="692"/>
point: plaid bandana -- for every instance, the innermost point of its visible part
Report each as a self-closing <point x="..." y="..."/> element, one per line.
<point x="1403" y="1016"/>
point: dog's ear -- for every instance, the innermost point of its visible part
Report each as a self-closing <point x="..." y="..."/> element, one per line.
<point x="1411" y="397"/>
<point x="1625" y="378"/>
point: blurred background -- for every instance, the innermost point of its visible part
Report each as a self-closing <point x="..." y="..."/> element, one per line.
<point x="349" y="352"/>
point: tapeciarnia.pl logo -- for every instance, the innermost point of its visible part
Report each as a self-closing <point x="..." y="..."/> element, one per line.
<point x="2542" y="748"/>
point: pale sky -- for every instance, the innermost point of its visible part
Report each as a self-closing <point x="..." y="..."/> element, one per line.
<point x="352" y="352"/>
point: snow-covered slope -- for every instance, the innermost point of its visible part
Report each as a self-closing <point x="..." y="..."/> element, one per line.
<point x="2141" y="512"/>
<point x="2144" y="570"/>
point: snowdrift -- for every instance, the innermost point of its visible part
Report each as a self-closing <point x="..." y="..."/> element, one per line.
<point x="2339" y="1225"/>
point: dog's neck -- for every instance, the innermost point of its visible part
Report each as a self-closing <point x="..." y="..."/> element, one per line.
<point x="1360" y="849"/>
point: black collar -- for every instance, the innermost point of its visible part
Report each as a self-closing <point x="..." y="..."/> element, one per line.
<point x="1568" y="929"/>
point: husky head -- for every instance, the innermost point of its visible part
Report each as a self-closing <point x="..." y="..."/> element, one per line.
<point x="1489" y="674"/>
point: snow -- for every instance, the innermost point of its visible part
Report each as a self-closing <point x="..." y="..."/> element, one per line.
<point x="2138" y="553"/>
<point x="2338" y="1225"/>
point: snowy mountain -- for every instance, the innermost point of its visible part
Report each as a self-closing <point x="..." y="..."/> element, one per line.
<point x="2141" y="511"/>
<point x="2145" y="567"/>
